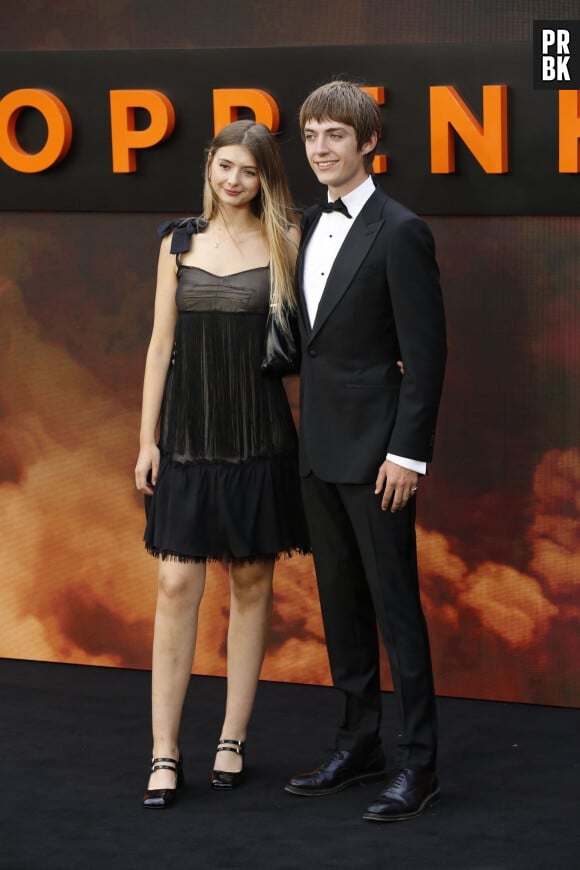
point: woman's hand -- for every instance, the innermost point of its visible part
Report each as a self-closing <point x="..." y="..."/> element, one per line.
<point x="147" y="467"/>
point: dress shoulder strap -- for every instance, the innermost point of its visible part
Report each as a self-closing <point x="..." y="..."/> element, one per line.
<point x="183" y="229"/>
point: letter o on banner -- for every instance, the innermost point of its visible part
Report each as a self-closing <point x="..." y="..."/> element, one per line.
<point x="58" y="122"/>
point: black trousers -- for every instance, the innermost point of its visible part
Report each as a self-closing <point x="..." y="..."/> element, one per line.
<point x="366" y="569"/>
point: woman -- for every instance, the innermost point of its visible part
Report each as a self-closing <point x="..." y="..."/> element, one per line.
<point x="217" y="460"/>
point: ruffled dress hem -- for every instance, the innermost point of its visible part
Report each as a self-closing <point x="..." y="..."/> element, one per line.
<point x="225" y="558"/>
<point x="226" y="511"/>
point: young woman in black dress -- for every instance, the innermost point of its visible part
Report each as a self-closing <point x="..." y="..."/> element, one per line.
<point x="218" y="446"/>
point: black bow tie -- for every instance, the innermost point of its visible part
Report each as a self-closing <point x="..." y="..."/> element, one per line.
<point x="337" y="205"/>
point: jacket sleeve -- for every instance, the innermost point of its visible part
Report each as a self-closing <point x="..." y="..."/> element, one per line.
<point x="413" y="280"/>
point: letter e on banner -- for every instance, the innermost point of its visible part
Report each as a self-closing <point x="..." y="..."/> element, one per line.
<point x="379" y="160"/>
<point x="59" y="127"/>
<point x="125" y="139"/>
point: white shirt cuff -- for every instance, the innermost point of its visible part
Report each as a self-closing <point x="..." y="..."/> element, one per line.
<point x="411" y="464"/>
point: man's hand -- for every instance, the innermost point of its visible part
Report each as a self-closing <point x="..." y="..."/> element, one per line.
<point x="398" y="485"/>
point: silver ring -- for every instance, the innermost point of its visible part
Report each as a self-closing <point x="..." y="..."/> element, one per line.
<point x="413" y="489"/>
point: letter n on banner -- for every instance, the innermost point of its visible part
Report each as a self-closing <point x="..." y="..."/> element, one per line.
<point x="488" y="142"/>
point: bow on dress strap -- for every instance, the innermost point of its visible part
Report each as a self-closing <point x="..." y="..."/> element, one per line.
<point x="182" y="229"/>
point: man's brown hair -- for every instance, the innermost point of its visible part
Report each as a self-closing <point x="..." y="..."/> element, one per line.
<point x="346" y="103"/>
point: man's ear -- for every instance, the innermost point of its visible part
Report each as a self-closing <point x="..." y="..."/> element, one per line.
<point x="370" y="144"/>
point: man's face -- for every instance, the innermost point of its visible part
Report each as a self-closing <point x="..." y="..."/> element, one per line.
<point x="334" y="156"/>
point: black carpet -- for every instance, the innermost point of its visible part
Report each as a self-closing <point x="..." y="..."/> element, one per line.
<point x="75" y="748"/>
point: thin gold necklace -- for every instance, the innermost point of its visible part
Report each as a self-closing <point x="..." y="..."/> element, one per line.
<point x="229" y="235"/>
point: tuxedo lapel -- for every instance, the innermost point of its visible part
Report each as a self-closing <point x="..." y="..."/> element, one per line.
<point x="309" y="220"/>
<point x="349" y="258"/>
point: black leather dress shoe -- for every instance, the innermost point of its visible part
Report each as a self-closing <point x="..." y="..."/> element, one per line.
<point x="407" y="793"/>
<point x="162" y="798"/>
<point x="342" y="769"/>
<point x="224" y="780"/>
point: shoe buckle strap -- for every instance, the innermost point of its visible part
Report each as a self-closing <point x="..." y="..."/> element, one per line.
<point x="236" y="746"/>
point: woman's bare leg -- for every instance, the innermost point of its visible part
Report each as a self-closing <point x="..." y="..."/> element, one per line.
<point x="250" y="611"/>
<point x="179" y="594"/>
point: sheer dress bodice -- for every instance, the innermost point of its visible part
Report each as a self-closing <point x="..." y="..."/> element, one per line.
<point x="217" y="404"/>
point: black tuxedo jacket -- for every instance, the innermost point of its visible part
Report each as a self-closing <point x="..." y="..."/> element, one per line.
<point x="382" y="302"/>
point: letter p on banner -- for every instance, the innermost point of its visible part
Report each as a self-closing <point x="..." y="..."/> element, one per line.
<point x="227" y="101"/>
<point x="125" y="139"/>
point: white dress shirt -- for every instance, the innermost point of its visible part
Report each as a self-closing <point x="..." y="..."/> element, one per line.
<point x="321" y="251"/>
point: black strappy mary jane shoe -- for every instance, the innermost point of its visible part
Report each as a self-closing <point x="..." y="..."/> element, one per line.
<point x="222" y="779"/>
<point x="162" y="798"/>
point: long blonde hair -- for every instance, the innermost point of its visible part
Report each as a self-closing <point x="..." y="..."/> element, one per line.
<point x="272" y="205"/>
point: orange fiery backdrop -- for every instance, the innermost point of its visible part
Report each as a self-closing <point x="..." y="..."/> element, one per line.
<point x="499" y="515"/>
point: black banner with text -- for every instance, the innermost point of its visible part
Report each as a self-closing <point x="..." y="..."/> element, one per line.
<point x="465" y="132"/>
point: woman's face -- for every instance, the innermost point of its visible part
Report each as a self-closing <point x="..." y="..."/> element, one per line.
<point x="233" y="176"/>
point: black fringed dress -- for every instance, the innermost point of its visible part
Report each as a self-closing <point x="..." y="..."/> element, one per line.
<point x="228" y="486"/>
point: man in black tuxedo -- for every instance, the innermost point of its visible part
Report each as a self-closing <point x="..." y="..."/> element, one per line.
<point x="368" y="296"/>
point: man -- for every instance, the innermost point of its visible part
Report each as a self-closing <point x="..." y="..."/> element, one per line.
<point x="369" y="296"/>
